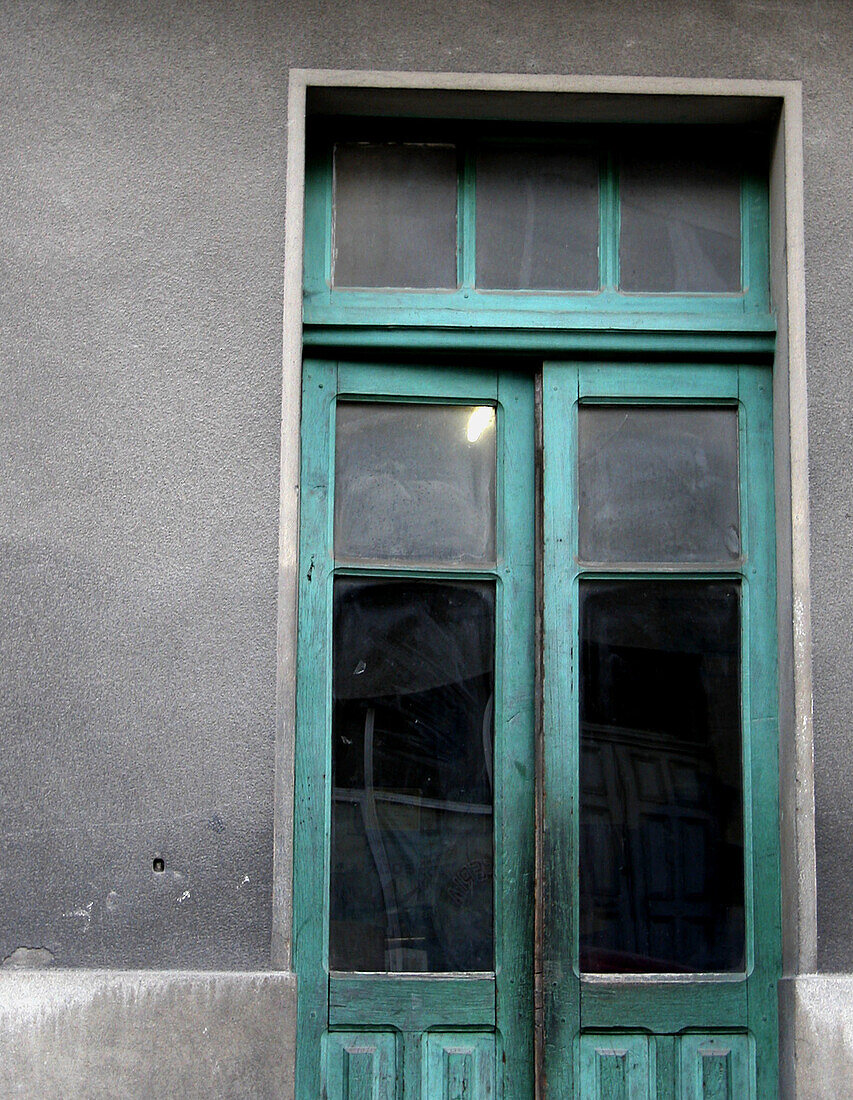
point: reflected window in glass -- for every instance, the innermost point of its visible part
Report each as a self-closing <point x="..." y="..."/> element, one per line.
<point x="412" y="767"/>
<point x="661" y="781"/>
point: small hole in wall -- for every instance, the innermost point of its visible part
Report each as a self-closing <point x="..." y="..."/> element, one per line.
<point x="158" y="865"/>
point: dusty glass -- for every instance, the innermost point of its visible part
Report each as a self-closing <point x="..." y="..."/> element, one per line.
<point x="680" y="223"/>
<point x="415" y="482"/>
<point x="658" y="484"/>
<point x="537" y="219"/>
<point x="395" y="216"/>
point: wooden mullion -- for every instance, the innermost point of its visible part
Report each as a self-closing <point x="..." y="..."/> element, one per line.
<point x="467" y="220"/>
<point x="609" y="220"/>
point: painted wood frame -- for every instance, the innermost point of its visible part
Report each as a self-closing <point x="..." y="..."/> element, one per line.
<point x="328" y="309"/>
<point x="664" y="1010"/>
<point x="716" y="337"/>
<point x="399" y="1013"/>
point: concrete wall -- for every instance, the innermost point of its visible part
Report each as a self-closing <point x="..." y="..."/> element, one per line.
<point x="83" y="1033"/>
<point x="141" y="242"/>
<point x="817" y="1014"/>
<point x="141" y="201"/>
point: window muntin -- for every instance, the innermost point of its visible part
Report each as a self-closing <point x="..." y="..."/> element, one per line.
<point x="412" y="826"/>
<point x="662" y="666"/>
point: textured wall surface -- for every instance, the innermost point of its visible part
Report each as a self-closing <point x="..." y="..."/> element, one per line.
<point x="140" y="349"/>
<point x="141" y="201"/>
<point x="817" y="1014"/>
<point x="137" y="1034"/>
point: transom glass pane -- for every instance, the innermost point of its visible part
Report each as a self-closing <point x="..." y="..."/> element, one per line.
<point x="537" y="219"/>
<point x="415" y="482"/>
<point x="395" y="216"/>
<point x="680" y="215"/>
<point x="412" y="848"/>
<point x="661" y="826"/>
<point x="658" y="484"/>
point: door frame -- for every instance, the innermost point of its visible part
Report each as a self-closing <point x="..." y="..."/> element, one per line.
<point x="777" y="104"/>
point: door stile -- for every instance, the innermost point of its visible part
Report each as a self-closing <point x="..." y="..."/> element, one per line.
<point x="515" y="763"/>
<point x="312" y="806"/>
<point x="560" y="980"/>
<point x="755" y="391"/>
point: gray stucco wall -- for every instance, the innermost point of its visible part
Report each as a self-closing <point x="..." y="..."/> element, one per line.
<point x="141" y="238"/>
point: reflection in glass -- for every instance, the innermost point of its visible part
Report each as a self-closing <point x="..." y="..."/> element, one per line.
<point x="412" y="848"/>
<point x="658" y="484"/>
<point x="395" y="216"/>
<point x="661" y="826"/>
<point x="537" y="219"/>
<point x="680" y="223"/>
<point x="415" y="482"/>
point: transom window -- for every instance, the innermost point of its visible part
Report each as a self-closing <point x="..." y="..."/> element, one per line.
<point x="536" y="219"/>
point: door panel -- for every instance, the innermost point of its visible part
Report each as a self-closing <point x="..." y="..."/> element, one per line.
<point x="660" y="918"/>
<point x="414" y="902"/>
<point x="615" y="1066"/>
<point x="459" y="1066"/>
<point x="360" y="1065"/>
<point x="715" y="1067"/>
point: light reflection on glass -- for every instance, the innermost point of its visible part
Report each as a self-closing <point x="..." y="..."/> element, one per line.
<point x="411" y="484"/>
<point x="481" y="418"/>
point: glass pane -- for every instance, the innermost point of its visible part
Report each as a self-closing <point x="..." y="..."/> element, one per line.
<point x="680" y="224"/>
<point x="411" y="879"/>
<point x="395" y="216"/>
<point x="415" y="482"/>
<point x="658" y="484"/>
<point x="661" y="828"/>
<point x="537" y="219"/>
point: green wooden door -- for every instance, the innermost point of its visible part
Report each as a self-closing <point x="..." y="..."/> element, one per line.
<point x="414" y="860"/>
<point x="660" y="804"/>
<point x="416" y="931"/>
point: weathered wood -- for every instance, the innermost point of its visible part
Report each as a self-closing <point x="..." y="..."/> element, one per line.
<point x="499" y="1005"/>
<point x="416" y="1037"/>
<point x="411" y="1003"/>
<point x="560" y="987"/>
<point x="723" y="1006"/>
<point x="312" y="804"/>
<point x="664" y="1007"/>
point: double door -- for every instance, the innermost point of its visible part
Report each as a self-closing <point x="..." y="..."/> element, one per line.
<point x="536" y="817"/>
